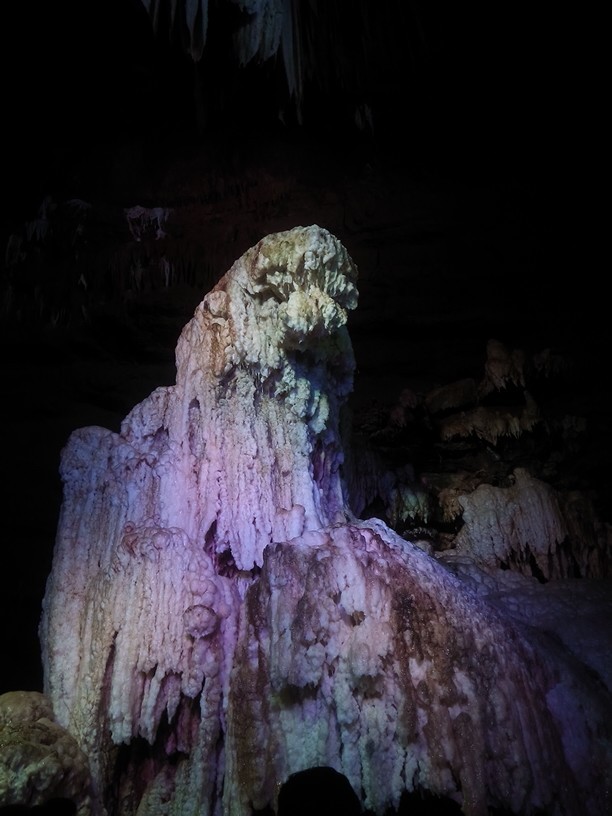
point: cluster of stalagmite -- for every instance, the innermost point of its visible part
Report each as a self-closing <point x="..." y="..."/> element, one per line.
<point x="217" y="617"/>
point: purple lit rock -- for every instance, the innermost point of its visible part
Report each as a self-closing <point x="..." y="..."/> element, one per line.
<point x="218" y="618"/>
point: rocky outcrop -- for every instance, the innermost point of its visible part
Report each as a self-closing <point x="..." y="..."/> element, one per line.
<point x="218" y="618"/>
<point x="359" y="651"/>
<point x="40" y="762"/>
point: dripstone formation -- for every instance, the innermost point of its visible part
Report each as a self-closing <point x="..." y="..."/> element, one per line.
<point x="218" y="616"/>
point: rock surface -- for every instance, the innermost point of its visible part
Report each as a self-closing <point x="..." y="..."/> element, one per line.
<point x="40" y="762"/>
<point x="218" y="618"/>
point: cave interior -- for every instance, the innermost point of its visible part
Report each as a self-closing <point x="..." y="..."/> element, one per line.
<point x="452" y="151"/>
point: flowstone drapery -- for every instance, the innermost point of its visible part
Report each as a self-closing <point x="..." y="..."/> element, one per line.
<point x="217" y="618"/>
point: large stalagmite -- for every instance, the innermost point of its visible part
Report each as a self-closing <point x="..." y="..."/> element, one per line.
<point x="217" y="618"/>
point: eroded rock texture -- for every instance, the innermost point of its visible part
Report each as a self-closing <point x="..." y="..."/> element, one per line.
<point x="40" y="762"/>
<point x="359" y="651"/>
<point x="217" y="618"/>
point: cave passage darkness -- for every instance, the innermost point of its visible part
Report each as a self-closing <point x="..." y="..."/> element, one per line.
<point x="474" y="90"/>
<point x="328" y="793"/>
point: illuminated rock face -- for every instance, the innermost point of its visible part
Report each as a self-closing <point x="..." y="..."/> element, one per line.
<point x="217" y="619"/>
<point x="360" y="652"/>
<point x="164" y="525"/>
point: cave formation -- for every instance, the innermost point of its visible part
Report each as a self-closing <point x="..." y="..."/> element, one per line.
<point x="260" y="601"/>
<point x="220" y="617"/>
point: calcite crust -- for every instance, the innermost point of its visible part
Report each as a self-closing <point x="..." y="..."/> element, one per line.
<point x="217" y="617"/>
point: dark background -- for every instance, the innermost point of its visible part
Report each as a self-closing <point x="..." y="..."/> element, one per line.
<point x="470" y="206"/>
<point x="473" y="88"/>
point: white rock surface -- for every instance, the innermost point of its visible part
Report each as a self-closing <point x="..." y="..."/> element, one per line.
<point x="217" y="619"/>
<point x="361" y="652"/>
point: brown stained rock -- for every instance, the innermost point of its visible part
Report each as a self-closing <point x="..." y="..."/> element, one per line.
<point x="359" y="652"/>
<point x="39" y="760"/>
